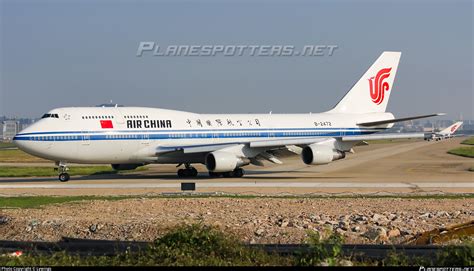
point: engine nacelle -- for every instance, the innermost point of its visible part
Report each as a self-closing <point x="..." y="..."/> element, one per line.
<point x="220" y="161"/>
<point x="320" y="155"/>
<point x="125" y="166"/>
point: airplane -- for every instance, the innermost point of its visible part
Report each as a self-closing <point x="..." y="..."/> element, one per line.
<point x="129" y="137"/>
<point x="444" y="134"/>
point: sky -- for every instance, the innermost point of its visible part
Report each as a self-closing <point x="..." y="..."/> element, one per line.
<point x="83" y="53"/>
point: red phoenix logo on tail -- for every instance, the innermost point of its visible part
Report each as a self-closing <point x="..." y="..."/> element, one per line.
<point x="378" y="86"/>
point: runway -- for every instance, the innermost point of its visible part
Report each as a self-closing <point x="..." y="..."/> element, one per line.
<point x="390" y="168"/>
<point x="242" y="185"/>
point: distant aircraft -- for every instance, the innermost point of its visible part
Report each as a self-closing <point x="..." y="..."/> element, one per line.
<point x="446" y="133"/>
<point x="128" y="137"/>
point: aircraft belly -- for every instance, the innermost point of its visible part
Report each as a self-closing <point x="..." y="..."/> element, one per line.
<point x="110" y="151"/>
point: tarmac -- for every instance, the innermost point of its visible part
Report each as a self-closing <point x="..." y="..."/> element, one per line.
<point x="405" y="167"/>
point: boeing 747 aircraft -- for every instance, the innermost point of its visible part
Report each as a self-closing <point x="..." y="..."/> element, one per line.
<point x="128" y="137"/>
<point x="446" y="133"/>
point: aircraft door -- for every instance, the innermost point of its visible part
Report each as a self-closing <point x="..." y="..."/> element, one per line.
<point x="119" y="118"/>
<point x="85" y="136"/>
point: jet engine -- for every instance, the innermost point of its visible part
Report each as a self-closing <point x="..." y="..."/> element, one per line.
<point x="125" y="166"/>
<point x="220" y="161"/>
<point x="320" y="154"/>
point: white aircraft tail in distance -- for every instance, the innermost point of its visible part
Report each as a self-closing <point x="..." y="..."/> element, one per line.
<point x="128" y="137"/>
<point x="446" y="133"/>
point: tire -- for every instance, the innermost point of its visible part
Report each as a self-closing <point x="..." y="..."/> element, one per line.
<point x="228" y="174"/>
<point x="63" y="177"/>
<point x="239" y="172"/>
<point x="193" y="172"/>
<point x="181" y="173"/>
<point x="213" y="174"/>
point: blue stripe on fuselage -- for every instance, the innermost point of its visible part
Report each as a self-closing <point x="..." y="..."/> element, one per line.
<point x="196" y="130"/>
<point x="185" y="134"/>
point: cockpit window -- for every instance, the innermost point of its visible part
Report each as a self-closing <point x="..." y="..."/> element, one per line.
<point x="56" y="116"/>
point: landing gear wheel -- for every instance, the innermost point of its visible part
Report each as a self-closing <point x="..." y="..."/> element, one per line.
<point x="228" y="174"/>
<point x="238" y="172"/>
<point x="193" y="172"/>
<point x="62" y="169"/>
<point x="64" y="177"/>
<point x="213" y="174"/>
<point x="187" y="172"/>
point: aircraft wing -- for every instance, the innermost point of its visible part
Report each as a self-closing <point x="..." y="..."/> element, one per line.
<point x="380" y="122"/>
<point x="287" y="143"/>
<point x="263" y="144"/>
<point x="194" y="148"/>
<point x="290" y="144"/>
<point x="383" y="136"/>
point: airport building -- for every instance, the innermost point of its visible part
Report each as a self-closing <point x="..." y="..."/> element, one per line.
<point x="10" y="129"/>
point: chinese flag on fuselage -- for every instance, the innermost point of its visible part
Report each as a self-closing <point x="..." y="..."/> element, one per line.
<point x="106" y="124"/>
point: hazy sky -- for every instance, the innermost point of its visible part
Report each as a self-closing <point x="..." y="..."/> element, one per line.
<point x="83" y="53"/>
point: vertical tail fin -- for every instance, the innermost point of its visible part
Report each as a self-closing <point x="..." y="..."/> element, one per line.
<point x="452" y="129"/>
<point x="372" y="91"/>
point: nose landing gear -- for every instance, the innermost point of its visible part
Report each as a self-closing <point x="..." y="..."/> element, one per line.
<point x="62" y="169"/>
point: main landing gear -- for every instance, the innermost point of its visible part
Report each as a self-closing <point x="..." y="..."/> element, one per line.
<point x="236" y="173"/>
<point x="189" y="171"/>
<point x="62" y="169"/>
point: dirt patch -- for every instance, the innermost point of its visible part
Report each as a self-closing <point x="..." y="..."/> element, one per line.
<point x="258" y="220"/>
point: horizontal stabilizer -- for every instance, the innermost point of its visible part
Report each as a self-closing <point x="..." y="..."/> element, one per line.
<point x="380" y="122"/>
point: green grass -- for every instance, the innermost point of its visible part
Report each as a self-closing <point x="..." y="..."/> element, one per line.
<point x="194" y="245"/>
<point x="469" y="141"/>
<point x="38" y="201"/>
<point x="18" y="156"/>
<point x="7" y="171"/>
<point x="4" y="145"/>
<point x="201" y="245"/>
<point x="463" y="151"/>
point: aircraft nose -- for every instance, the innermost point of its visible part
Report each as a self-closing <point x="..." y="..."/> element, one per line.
<point x="24" y="141"/>
<point x="21" y="142"/>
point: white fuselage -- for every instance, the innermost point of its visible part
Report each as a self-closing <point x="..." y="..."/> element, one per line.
<point x="133" y="134"/>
